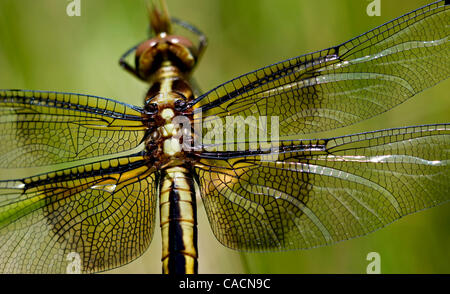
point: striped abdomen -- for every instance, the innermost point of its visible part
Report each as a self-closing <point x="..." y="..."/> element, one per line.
<point x="178" y="221"/>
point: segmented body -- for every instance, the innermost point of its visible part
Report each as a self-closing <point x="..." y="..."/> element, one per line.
<point x="165" y="62"/>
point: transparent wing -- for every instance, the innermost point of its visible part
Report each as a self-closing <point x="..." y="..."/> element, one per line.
<point x="317" y="192"/>
<point x="345" y="84"/>
<point x="102" y="213"/>
<point x="40" y="128"/>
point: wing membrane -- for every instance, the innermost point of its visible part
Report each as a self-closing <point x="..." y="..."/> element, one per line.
<point x="102" y="212"/>
<point x="345" y="84"/>
<point x="318" y="192"/>
<point x="40" y="128"/>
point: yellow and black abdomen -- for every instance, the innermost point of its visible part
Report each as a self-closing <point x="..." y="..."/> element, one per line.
<point x="178" y="221"/>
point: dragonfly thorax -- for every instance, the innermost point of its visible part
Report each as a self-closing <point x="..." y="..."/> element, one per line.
<point x="168" y="122"/>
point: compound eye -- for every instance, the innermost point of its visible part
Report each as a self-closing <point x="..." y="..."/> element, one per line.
<point x="151" y="108"/>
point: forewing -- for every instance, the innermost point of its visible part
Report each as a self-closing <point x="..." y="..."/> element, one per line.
<point x="345" y="84"/>
<point x="100" y="214"/>
<point x="40" y="128"/>
<point x="317" y="192"/>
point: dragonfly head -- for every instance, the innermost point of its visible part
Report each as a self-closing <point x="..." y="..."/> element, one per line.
<point x="163" y="47"/>
<point x="151" y="55"/>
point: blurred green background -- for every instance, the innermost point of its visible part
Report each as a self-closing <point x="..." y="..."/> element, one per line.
<point x="42" y="48"/>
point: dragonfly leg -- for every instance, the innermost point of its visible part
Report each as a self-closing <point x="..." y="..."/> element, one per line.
<point x="203" y="40"/>
<point x="128" y="67"/>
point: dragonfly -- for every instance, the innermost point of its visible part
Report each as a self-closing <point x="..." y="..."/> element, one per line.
<point x="109" y="166"/>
